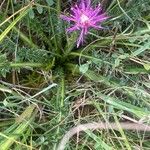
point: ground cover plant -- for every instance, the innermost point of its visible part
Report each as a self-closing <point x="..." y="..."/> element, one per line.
<point x="79" y="90"/>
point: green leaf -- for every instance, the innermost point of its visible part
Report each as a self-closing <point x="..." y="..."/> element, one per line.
<point x="50" y="2"/>
<point x="99" y="143"/>
<point x="147" y="66"/>
<point x="84" y="68"/>
<point x="141" y="49"/>
<point x="39" y="9"/>
<point x="139" y="112"/>
<point x="71" y="40"/>
<point x="4" y="65"/>
<point x="21" y="125"/>
<point x="6" y="31"/>
<point x="31" y="14"/>
<point x="124" y="56"/>
<point x="135" y="70"/>
<point x="5" y="102"/>
<point x="117" y="62"/>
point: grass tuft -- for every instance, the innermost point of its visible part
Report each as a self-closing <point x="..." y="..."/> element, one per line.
<point x="56" y="96"/>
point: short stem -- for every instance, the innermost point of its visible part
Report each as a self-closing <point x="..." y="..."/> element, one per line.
<point x="61" y="92"/>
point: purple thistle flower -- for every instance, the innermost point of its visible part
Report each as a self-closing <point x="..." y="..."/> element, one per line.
<point x="84" y="17"/>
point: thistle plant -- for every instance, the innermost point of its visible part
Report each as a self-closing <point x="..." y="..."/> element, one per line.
<point x="50" y="91"/>
<point x="84" y="17"/>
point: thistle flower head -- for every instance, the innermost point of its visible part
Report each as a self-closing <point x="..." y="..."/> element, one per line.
<point x="84" y="16"/>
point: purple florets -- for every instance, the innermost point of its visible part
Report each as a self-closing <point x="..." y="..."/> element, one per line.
<point x="84" y="16"/>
